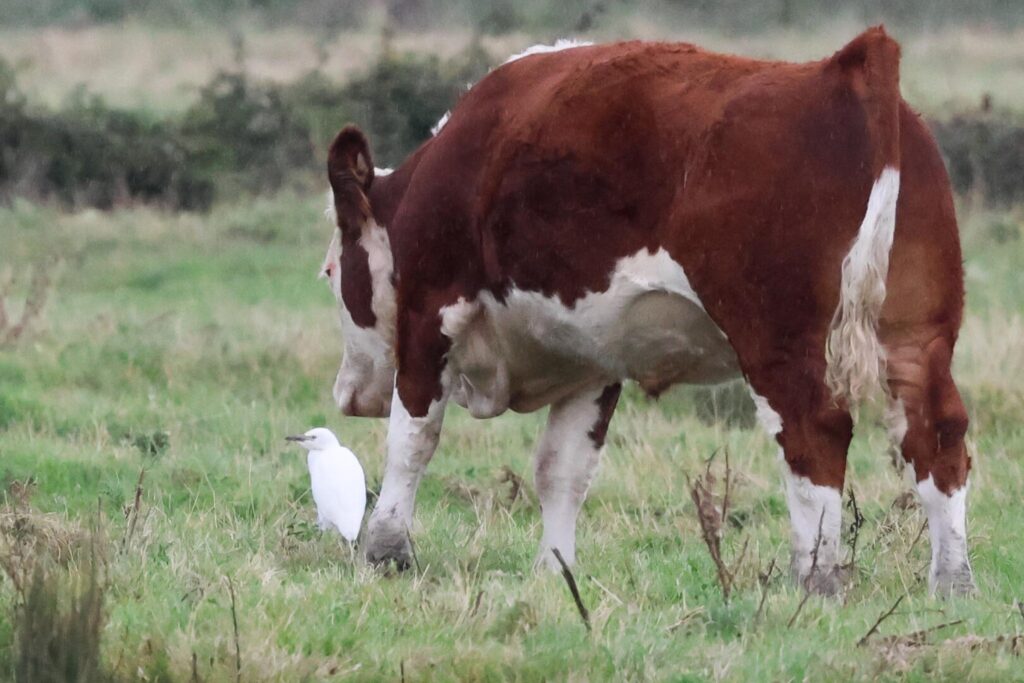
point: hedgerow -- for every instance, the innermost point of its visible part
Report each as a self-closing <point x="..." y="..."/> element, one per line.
<point x="985" y="156"/>
<point x="239" y="135"/>
<point x="243" y="136"/>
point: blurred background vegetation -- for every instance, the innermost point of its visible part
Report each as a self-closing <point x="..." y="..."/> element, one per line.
<point x="499" y="16"/>
<point x="255" y="88"/>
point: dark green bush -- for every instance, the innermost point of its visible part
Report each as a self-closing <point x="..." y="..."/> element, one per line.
<point x="153" y="444"/>
<point x="321" y="104"/>
<point x="90" y="155"/>
<point x="245" y="135"/>
<point x="985" y="156"/>
<point x="102" y="157"/>
<point x="401" y="97"/>
<point x="240" y="136"/>
<point x="500" y="16"/>
<point x="254" y="136"/>
<point x="314" y="13"/>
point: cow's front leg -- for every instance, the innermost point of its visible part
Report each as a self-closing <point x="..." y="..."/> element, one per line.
<point x="794" y="405"/>
<point x="417" y="412"/>
<point x="567" y="457"/>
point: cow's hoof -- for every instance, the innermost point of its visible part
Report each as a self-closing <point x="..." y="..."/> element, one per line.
<point x="952" y="583"/>
<point x="547" y="562"/>
<point x="830" y="583"/>
<point x="388" y="545"/>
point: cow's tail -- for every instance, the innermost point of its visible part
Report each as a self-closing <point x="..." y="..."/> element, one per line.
<point x="854" y="354"/>
<point x="350" y="171"/>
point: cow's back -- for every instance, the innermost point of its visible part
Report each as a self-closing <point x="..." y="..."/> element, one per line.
<point x="556" y="165"/>
<point x="594" y="171"/>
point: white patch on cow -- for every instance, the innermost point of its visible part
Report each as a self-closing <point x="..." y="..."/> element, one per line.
<point x="481" y="378"/>
<point x="895" y="419"/>
<point x="560" y="44"/>
<point x="855" y="356"/>
<point x="455" y="318"/>
<point x="769" y="420"/>
<point x="909" y="476"/>
<point x="381" y="172"/>
<point x="367" y="365"/>
<point x="366" y="374"/>
<point x="564" y="466"/>
<point x="648" y="325"/>
<point x="810" y="507"/>
<point x="440" y="123"/>
<point x="330" y="269"/>
<point x="411" y="441"/>
<point x="947" y="527"/>
<point x="330" y="213"/>
<point x="374" y="240"/>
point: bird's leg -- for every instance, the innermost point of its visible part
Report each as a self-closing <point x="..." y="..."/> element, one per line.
<point x="349" y="547"/>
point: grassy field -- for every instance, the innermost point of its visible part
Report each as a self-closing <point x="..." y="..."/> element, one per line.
<point x="187" y="346"/>
<point x="214" y="332"/>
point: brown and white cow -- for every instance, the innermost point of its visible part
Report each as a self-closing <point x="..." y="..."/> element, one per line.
<point x="658" y="213"/>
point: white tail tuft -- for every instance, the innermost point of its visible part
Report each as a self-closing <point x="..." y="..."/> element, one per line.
<point x="855" y="356"/>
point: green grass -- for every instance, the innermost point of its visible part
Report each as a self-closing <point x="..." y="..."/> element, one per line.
<point x="214" y="332"/>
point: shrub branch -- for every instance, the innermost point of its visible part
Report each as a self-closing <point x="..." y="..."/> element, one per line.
<point x="712" y="521"/>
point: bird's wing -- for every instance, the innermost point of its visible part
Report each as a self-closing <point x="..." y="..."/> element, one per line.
<point x="339" y="488"/>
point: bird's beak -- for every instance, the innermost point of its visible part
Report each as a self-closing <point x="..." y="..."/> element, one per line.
<point x="298" y="437"/>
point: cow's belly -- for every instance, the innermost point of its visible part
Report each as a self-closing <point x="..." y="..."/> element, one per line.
<point x="530" y="350"/>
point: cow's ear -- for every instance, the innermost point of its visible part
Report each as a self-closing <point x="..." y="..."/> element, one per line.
<point x="350" y="172"/>
<point x="349" y="158"/>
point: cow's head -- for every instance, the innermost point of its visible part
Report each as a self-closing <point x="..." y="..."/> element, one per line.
<point x="359" y="269"/>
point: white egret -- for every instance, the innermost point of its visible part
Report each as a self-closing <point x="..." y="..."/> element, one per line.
<point x="337" y="480"/>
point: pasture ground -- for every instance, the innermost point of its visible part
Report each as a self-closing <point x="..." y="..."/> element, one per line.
<point x="187" y="346"/>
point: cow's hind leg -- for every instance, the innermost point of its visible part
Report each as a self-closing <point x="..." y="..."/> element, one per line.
<point x="795" y="406"/>
<point x="567" y="457"/>
<point x="417" y="412"/>
<point x="932" y="442"/>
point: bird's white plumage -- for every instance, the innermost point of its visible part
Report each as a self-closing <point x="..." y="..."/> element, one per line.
<point x="337" y="481"/>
